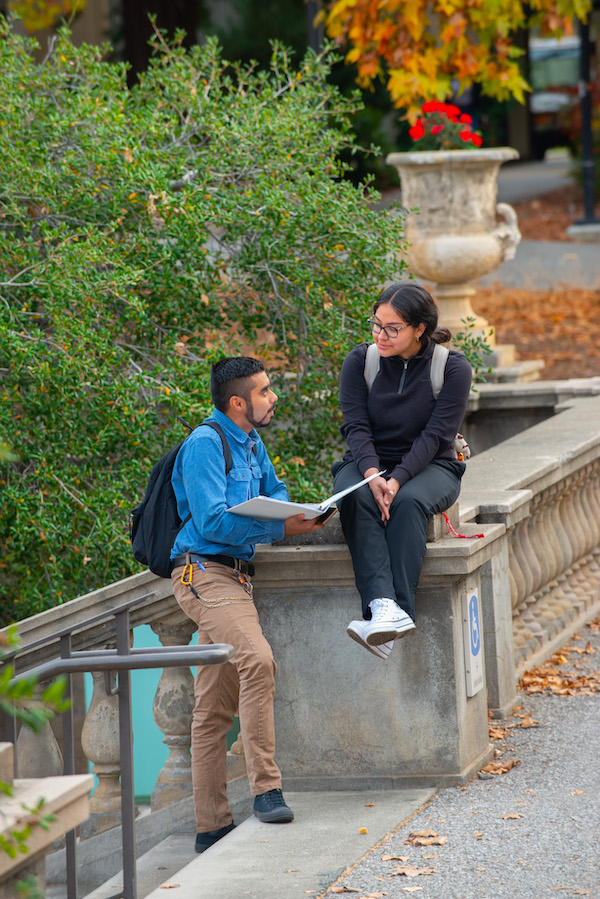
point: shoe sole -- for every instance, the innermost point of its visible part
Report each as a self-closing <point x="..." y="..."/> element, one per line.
<point x="392" y="633"/>
<point x="275" y="817"/>
<point x="375" y="650"/>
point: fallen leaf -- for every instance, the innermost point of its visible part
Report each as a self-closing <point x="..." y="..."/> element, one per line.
<point x="430" y="841"/>
<point x="394" y="858"/>
<point x="412" y="889"/>
<point x="500" y="767"/>
<point x="341" y="889"/>
<point x="362" y="830"/>
<point x="478" y="835"/>
<point x="512" y="816"/>
<point x="170" y="886"/>
<point x="497" y="733"/>
<point x="527" y="722"/>
<point x="409" y="871"/>
<point x="426" y="838"/>
<point x="577" y="793"/>
<point x="369" y="805"/>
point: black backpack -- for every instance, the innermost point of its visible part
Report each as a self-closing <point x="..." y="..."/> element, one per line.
<point x="155" y="522"/>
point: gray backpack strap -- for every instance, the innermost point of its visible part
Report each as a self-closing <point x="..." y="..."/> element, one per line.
<point x="372" y="360"/>
<point x="438" y="365"/>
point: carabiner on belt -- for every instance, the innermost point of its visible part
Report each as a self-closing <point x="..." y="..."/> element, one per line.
<point x="187" y="574"/>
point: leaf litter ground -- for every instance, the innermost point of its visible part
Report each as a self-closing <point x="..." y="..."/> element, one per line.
<point x="557" y="325"/>
<point x="537" y="833"/>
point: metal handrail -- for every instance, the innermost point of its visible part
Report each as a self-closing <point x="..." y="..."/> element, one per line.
<point x="122" y="660"/>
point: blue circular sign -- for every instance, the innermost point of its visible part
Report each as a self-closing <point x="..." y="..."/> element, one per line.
<point x="474" y="626"/>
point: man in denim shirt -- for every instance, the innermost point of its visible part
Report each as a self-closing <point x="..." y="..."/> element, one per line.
<point x="211" y="573"/>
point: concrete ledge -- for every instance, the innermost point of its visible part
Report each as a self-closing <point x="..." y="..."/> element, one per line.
<point x="587" y="232"/>
<point x="67" y="798"/>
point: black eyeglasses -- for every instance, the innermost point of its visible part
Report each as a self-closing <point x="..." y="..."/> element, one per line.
<point x="390" y="331"/>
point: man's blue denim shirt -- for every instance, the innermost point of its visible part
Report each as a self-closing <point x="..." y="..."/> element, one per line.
<point x="202" y="488"/>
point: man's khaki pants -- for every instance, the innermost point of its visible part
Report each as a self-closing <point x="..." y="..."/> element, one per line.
<point x="225" y="613"/>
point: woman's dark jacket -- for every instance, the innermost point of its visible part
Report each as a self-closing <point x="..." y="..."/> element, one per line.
<point x="398" y="425"/>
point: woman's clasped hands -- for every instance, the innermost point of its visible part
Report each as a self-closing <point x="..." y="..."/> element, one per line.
<point x="384" y="492"/>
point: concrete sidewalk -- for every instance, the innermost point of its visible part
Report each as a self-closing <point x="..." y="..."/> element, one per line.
<point x="519" y="181"/>
<point x="532" y="832"/>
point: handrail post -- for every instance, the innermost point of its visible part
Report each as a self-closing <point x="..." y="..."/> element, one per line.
<point x="126" y="762"/>
<point x="69" y="768"/>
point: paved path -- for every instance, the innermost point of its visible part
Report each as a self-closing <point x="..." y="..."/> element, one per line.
<point x="540" y="265"/>
<point x="530" y="833"/>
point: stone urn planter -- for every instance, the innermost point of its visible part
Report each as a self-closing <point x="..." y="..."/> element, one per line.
<point x="459" y="231"/>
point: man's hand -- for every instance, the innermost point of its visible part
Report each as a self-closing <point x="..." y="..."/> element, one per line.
<point x="298" y="524"/>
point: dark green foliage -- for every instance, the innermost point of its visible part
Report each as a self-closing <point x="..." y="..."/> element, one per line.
<point x="143" y="234"/>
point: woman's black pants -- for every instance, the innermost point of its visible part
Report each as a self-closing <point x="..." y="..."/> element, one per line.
<point x="387" y="559"/>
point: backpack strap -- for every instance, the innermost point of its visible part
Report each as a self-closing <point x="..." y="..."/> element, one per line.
<point x="226" y="448"/>
<point x="372" y="361"/>
<point x="438" y="366"/>
<point x="436" y="373"/>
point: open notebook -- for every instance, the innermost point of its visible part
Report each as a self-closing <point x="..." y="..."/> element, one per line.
<point x="265" y="508"/>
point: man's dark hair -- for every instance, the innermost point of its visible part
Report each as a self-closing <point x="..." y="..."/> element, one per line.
<point x="229" y="377"/>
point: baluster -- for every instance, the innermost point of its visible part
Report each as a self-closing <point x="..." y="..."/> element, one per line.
<point x="538" y="543"/>
<point x="593" y="496"/>
<point x="559" y="538"/>
<point x="591" y="531"/>
<point x="172" y="710"/>
<point x="100" y="743"/>
<point x="516" y="572"/>
<point x="38" y="754"/>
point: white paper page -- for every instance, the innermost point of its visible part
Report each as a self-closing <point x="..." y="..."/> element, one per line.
<point x="266" y="508"/>
<point x="333" y="499"/>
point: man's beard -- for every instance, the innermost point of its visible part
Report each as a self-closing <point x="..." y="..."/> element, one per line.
<point x="253" y="421"/>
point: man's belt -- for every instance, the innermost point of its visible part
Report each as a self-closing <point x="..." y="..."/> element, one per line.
<point x="239" y="564"/>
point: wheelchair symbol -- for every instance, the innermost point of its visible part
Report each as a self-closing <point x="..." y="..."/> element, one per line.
<point x="474" y="628"/>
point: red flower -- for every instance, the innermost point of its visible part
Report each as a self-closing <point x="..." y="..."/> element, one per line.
<point x="466" y="119"/>
<point x="436" y="129"/>
<point x="432" y="106"/>
<point x="417" y="131"/>
<point x="466" y="135"/>
<point x="476" y="139"/>
<point x="451" y="110"/>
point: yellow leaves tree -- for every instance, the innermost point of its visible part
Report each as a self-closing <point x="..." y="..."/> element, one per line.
<point x="39" y="14"/>
<point x="420" y="46"/>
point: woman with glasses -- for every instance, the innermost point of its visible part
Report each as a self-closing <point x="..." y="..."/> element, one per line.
<point x="397" y="427"/>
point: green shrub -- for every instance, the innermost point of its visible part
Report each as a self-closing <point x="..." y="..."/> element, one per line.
<point x="143" y="234"/>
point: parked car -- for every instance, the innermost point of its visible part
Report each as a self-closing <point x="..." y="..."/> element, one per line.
<point x="554" y="76"/>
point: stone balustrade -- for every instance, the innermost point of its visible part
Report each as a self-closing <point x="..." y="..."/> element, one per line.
<point x="543" y="484"/>
<point x="345" y="719"/>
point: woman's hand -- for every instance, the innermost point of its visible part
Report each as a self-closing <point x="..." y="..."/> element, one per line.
<point x="384" y="493"/>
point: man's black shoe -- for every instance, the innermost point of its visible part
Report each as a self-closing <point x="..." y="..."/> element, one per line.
<point x="270" y="807"/>
<point x="204" y="840"/>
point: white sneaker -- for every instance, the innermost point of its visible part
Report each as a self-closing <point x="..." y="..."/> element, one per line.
<point x="356" y="630"/>
<point x="388" y="622"/>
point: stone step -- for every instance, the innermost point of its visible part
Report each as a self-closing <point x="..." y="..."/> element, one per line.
<point x="269" y="861"/>
<point x="331" y="832"/>
<point x="158" y="866"/>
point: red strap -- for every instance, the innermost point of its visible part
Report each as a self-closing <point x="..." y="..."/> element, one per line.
<point x="455" y="533"/>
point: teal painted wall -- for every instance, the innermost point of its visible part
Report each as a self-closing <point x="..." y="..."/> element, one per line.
<point x="149" y="751"/>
